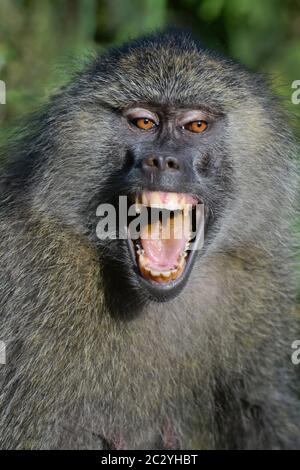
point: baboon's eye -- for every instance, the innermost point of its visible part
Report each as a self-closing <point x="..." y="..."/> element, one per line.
<point x="196" y="126"/>
<point x="144" y="123"/>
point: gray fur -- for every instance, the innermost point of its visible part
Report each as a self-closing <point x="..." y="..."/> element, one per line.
<point x="213" y="365"/>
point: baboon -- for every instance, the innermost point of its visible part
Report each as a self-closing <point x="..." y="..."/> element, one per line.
<point x="134" y="344"/>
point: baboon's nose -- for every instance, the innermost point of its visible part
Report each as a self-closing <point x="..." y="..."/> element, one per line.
<point x="153" y="163"/>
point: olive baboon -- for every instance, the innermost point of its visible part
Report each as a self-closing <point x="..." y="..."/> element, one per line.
<point x="134" y="344"/>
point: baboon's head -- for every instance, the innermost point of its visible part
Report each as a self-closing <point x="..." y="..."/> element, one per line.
<point x="165" y="123"/>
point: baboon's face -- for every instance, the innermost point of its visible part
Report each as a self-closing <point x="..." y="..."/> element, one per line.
<point x="168" y="152"/>
<point x="160" y="137"/>
<point x="171" y="172"/>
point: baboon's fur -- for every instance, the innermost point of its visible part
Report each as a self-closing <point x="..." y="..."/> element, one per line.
<point x="209" y="369"/>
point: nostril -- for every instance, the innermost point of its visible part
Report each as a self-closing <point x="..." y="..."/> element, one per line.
<point x="172" y="164"/>
<point x="160" y="163"/>
<point x="151" y="162"/>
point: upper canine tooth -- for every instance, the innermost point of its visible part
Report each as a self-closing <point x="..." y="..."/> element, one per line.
<point x="144" y="198"/>
<point x="138" y="198"/>
<point x="186" y="208"/>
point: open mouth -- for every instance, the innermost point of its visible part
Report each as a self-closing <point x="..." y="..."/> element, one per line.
<point x="169" y="232"/>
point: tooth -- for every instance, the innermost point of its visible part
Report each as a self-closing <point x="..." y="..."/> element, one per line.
<point x="144" y="267"/>
<point x="181" y="263"/>
<point x="173" y="201"/>
<point x="144" y="198"/>
<point x="174" y="274"/>
<point x="170" y="201"/>
<point x="142" y="260"/>
<point x="186" y="209"/>
<point x="154" y="272"/>
<point x="178" y="200"/>
<point x="166" y="274"/>
<point x="155" y="200"/>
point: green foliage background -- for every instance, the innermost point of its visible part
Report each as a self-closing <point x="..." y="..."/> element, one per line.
<point x="42" y="40"/>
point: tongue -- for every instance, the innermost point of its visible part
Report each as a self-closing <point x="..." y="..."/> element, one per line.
<point x="163" y="253"/>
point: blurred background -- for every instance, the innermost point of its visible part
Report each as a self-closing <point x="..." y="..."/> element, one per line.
<point x="42" y="41"/>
